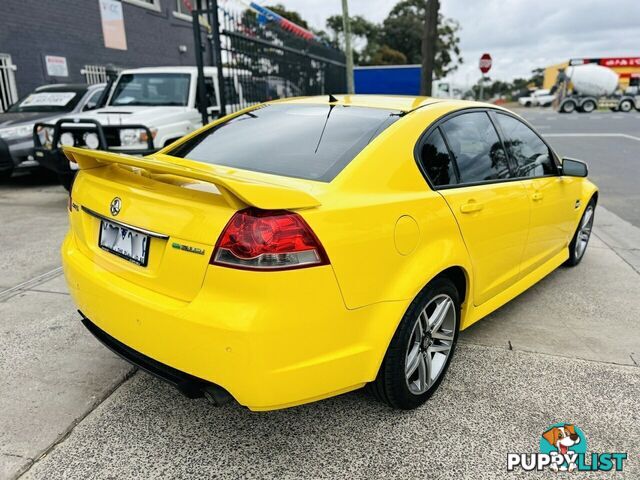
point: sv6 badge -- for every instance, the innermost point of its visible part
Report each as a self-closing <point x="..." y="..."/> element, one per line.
<point x="187" y="248"/>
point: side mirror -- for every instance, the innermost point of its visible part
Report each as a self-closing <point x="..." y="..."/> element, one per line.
<point x="574" y="168"/>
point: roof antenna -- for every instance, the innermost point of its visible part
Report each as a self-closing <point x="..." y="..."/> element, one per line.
<point x="332" y="99"/>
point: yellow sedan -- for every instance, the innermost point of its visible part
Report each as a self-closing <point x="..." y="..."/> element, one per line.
<point x="308" y="247"/>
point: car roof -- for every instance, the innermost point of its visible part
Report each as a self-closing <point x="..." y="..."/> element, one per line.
<point x="63" y="87"/>
<point x="183" y="69"/>
<point x="402" y="103"/>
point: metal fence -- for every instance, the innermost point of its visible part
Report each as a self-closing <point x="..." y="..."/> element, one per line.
<point x="266" y="57"/>
<point x="95" y="74"/>
<point x="8" y="92"/>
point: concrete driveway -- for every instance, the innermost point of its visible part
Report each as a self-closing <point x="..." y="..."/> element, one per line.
<point x="567" y="350"/>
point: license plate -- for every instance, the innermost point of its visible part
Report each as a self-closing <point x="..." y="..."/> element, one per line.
<point x="124" y="242"/>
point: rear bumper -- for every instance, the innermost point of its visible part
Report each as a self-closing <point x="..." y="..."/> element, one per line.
<point x="270" y="344"/>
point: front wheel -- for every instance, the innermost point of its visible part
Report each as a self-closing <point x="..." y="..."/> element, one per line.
<point x="5" y="175"/>
<point x="568" y="106"/>
<point x="580" y="240"/>
<point x="421" y="349"/>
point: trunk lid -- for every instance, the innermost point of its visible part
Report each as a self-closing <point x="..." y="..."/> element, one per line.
<point x="183" y="206"/>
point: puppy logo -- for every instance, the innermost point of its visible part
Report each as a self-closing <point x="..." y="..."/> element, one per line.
<point x="567" y="440"/>
<point x="564" y="438"/>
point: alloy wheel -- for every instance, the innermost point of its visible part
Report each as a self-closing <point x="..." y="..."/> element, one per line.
<point x="430" y="344"/>
<point x="584" y="232"/>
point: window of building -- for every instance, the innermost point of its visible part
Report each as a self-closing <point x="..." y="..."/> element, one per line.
<point x="183" y="9"/>
<point x="150" y="4"/>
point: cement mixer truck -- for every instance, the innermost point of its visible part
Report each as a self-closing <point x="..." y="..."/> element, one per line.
<point x="584" y="88"/>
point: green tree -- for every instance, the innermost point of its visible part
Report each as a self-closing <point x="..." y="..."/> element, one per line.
<point x="402" y="31"/>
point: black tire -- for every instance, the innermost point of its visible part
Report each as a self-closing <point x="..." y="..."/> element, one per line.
<point x="5" y="175"/>
<point x="577" y="254"/>
<point x="391" y="386"/>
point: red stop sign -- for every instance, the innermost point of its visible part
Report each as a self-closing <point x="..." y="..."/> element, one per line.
<point x="485" y="63"/>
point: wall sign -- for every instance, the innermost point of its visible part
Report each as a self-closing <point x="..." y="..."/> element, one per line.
<point x="56" y="66"/>
<point x="113" y="24"/>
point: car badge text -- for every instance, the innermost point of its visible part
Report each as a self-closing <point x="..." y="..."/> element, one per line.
<point x="187" y="248"/>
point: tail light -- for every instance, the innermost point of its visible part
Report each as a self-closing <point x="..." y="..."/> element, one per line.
<point x="257" y="239"/>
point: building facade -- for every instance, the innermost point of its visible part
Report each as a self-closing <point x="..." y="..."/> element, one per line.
<point x="71" y="41"/>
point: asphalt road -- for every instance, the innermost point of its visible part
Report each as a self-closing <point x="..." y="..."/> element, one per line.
<point x="609" y="142"/>
<point x="567" y="350"/>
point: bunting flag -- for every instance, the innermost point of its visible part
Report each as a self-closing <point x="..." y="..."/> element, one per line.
<point x="265" y="15"/>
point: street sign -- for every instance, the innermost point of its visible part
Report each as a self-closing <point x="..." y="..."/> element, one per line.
<point x="485" y="63"/>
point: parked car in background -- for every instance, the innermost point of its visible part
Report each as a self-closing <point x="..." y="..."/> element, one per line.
<point x="147" y="109"/>
<point x="45" y="103"/>
<point x="538" y="98"/>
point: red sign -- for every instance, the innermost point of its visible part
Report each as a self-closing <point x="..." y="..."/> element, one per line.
<point x="620" y="62"/>
<point x="485" y="63"/>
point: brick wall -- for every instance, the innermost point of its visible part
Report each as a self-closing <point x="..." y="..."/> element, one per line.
<point x="31" y="29"/>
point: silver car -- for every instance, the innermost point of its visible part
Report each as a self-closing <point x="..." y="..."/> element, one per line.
<point x="44" y="103"/>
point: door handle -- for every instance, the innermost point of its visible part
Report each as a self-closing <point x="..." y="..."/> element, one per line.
<point x="537" y="196"/>
<point x="471" y="206"/>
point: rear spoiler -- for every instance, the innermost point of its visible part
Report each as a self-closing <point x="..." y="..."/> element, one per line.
<point x="237" y="190"/>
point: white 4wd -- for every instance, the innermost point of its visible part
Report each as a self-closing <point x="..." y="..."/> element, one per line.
<point x="147" y="109"/>
<point x="162" y="99"/>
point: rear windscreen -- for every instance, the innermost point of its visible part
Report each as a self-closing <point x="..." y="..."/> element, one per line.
<point x="314" y="142"/>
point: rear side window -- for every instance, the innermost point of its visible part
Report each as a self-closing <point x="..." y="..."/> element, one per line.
<point x="436" y="161"/>
<point x="531" y="156"/>
<point x="477" y="149"/>
<point x="314" y="142"/>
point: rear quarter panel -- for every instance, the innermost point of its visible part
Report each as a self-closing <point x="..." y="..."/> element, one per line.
<point x="386" y="233"/>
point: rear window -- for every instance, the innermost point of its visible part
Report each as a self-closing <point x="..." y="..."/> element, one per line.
<point x="314" y="142"/>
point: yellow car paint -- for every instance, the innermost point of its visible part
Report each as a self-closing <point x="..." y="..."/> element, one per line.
<point x="283" y="338"/>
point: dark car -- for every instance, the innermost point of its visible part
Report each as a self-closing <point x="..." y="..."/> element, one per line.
<point x="44" y="103"/>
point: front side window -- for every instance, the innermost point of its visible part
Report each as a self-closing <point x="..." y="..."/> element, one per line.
<point x="436" y="161"/>
<point x="476" y="147"/>
<point x="93" y="100"/>
<point x="530" y="155"/>
<point x="314" y="142"/>
<point x="152" y="89"/>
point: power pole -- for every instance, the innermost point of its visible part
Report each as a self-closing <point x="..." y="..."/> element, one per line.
<point x="346" y="27"/>
<point x="429" y="38"/>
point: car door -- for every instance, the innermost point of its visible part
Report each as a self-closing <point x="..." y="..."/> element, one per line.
<point x="466" y="163"/>
<point x="553" y="198"/>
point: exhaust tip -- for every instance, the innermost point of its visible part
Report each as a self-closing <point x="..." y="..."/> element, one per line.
<point x="217" y="395"/>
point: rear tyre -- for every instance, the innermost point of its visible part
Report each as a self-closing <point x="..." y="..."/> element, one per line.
<point x="568" y="106"/>
<point x="421" y="349"/>
<point x="5" y="175"/>
<point x="625" y="106"/>
<point x="588" y="106"/>
<point x="578" y="245"/>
